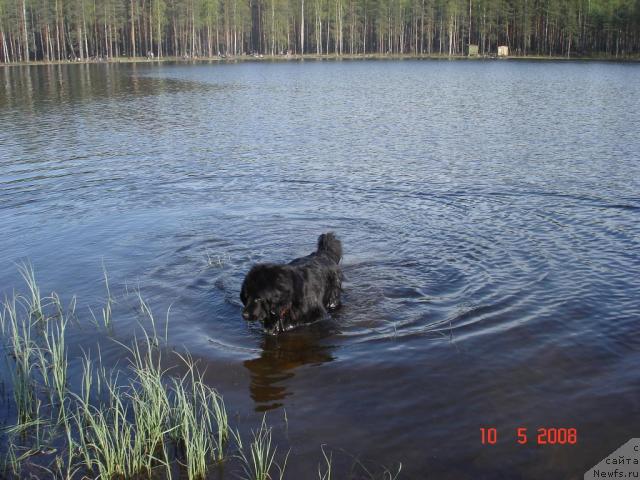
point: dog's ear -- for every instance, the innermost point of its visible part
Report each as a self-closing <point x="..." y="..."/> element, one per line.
<point x="289" y="293"/>
<point x="243" y="292"/>
<point x="298" y="287"/>
<point x="296" y="303"/>
<point x="252" y="283"/>
<point x="283" y="288"/>
<point x="334" y="289"/>
<point x="334" y="280"/>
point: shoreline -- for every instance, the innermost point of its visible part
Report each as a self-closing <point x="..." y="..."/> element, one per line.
<point x="320" y="57"/>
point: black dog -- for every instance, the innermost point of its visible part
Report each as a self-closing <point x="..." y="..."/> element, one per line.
<point x="283" y="296"/>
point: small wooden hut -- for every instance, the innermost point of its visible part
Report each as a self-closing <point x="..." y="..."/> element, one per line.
<point x="503" y="51"/>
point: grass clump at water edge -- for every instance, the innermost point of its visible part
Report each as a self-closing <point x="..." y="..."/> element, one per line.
<point x="137" y="422"/>
<point x="117" y="424"/>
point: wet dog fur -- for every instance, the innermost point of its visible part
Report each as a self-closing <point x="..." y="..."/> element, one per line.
<point x="282" y="296"/>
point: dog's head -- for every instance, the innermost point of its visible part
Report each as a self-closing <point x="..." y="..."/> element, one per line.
<point x="267" y="294"/>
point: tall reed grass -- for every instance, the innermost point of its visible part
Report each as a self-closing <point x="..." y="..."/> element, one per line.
<point x="141" y="421"/>
<point x="116" y="424"/>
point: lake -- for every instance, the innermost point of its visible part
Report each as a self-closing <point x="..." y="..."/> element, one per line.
<point x="490" y="218"/>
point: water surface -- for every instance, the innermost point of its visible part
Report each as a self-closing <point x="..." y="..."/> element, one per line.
<point x="490" y="217"/>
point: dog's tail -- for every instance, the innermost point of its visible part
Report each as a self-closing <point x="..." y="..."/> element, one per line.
<point x="329" y="244"/>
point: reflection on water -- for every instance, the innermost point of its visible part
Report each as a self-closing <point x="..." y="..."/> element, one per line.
<point x="28" y="87"/>
<point x="280" y="357"/>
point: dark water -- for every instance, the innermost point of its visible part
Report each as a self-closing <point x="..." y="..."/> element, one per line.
<point x="490" y="216"/>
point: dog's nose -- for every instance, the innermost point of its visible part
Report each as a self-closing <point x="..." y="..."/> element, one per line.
<point x="245" y="315"/>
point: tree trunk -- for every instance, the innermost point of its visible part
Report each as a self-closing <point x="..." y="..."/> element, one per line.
<point x="364" y="32"/>
<point x="84" y="30"/>
<point x="5" y="50"/>
<point x="302" y="28"/>
<point x="451" y="36"/>
<point x="23" y="31"/>
<point x="133" y="31"/>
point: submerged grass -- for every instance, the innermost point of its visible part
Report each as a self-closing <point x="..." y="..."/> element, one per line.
<point x="137" y="422"/>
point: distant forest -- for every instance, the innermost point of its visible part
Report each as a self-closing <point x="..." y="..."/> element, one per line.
<point x="102" y="29"/>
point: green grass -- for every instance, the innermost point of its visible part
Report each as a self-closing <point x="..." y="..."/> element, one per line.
<point x="116" y="424"/>
<point x="260" y="461"/>
<point x="142" y="421"/>
<point x="23" y="351"/>
<point x="35" y="302"/>
<point x="325" y="474"/>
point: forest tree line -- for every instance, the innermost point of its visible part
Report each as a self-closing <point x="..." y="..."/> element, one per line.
<point x="102" y="29"/>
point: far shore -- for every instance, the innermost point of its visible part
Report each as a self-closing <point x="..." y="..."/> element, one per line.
<point x="293" y="57"/>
